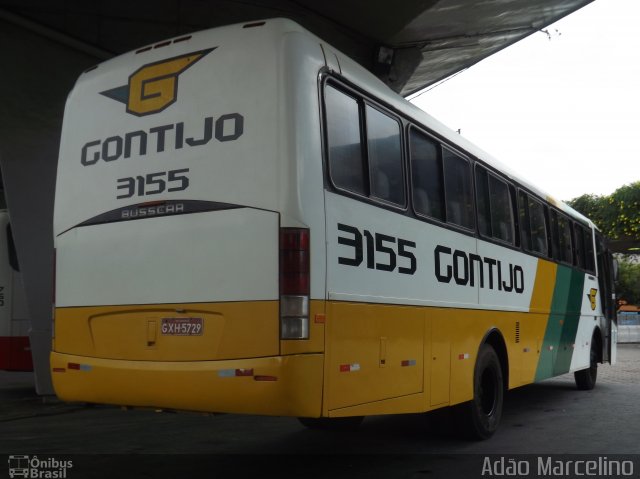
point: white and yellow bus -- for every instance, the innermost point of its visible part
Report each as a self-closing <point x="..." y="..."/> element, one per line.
<point x="247" y="221"/>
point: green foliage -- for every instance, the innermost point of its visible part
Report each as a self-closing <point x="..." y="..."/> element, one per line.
<point x="616" y="215"/>
<point x="628" y="284"/>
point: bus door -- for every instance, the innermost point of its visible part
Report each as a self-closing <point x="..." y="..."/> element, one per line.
<point x="606" y="283"/>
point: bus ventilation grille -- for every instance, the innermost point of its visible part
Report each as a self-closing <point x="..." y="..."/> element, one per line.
<point x="517" y="331"/>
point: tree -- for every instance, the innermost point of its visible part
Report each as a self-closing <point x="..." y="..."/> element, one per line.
<point x="628" y="284"/>
<point x="616" y="215"/>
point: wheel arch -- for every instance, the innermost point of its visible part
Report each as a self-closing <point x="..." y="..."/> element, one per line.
<point x="495" y="339"/>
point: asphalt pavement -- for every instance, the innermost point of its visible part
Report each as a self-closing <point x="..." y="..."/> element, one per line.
<point x="550" y="417"/>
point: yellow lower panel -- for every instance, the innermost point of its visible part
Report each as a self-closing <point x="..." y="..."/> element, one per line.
<point x="374" y="352"/>
<point x="208" y="386"/>
<point x="233" y="330"/>
<point x="386" y="359"/>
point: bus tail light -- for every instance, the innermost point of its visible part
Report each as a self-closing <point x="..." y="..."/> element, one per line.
<point x="294" y="283"/>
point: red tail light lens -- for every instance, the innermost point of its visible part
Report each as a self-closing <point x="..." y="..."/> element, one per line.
<point x="294" y="283"/>
<point x="294" y="261"/>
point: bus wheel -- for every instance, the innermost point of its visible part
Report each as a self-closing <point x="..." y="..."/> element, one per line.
<point x="332" y="423"/>
<point x="481" y="416"/>
<point x="586" y="379"/>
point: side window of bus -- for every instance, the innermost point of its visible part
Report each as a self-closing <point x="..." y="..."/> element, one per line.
<point x="584" y="248"/>
<point x="426" y="176"/>
<point x="564" y="228"/>
<point x="523" y="215"/>
<point x="590" y="264"/>
<point x="344" y="141"/>
<point x="457" y="190"/>
<point x="532" y="224"/>
<point x="495" y="214"/>
<point x="555" y="241"/>
<point x="482" y="198"/>
<point x="385" y="156"/>
<point x="561" y="238"/>
<point x="501" y="212"/>
<point x="578" y="241"/>
<point x="538" y="227"/>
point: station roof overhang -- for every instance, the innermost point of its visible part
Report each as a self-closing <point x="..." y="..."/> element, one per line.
<point x="409" y="44"/>
<point x="625" y="245"/>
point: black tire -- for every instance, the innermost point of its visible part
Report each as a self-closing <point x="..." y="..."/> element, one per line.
<point x="586" y="379"/>
<point x="480" y="417"/>
<point x="332" y="423"/>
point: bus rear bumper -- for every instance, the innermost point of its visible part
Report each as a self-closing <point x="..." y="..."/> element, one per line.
<point x="279" y="385"/>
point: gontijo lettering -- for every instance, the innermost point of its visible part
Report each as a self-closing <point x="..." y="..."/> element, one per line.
<point x="227" y="127"/>
<point x="462" y="267"/>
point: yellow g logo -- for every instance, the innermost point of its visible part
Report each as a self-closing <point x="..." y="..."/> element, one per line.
<point x="592" y="298"/>
<point x="153" y="87"/>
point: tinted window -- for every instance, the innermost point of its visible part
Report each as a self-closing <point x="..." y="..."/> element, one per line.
<point x="482" y="197"/>
<point x="343" y="138"/>
<point x="532" y="224"/>
<point x="457" y="187"/>
<point x="385" y="157"/>
<point x="565" y="239"/>
<point x="426" y="176"/>
<point x="561" y="238"/>
<point x="538" y="228"/>
<point x="583" y="246"/>
<point x="578" y="243"/>
<point x="501" y="212"/>
<point x="589" y="253"/>
<point x="495" y="213"/>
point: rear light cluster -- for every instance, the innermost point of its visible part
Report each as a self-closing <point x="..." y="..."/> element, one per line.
<point x="294" y="283"/>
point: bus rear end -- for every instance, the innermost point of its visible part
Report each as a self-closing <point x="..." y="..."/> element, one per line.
<point x="177" y="277"/>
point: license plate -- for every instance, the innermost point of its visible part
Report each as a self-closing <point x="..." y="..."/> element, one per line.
<point x="181" y="326"/>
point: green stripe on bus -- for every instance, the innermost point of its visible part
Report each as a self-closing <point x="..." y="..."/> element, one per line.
<point x="557" y="347"/>
<point x="570" y="326"/>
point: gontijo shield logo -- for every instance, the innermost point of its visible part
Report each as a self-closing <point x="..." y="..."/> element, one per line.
<point x="154" y="86"/>
<point x="592" y="298"/>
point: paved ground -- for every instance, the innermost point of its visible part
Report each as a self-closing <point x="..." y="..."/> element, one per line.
<point x="551" y="417"/>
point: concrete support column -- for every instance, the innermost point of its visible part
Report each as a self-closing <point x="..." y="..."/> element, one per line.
<point x="37" y="75"/>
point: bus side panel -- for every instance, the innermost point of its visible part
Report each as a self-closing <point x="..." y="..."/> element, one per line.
<point x="534" y="324"/>
<point x="375" y="352"/>
<point x="558" y="345"/>
<point x="376" y="291"/>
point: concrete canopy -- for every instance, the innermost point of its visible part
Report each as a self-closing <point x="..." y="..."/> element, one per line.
<point x="423" y="41"/>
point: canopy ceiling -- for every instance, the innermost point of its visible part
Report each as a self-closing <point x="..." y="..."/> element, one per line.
<point x="422" y="41"/>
